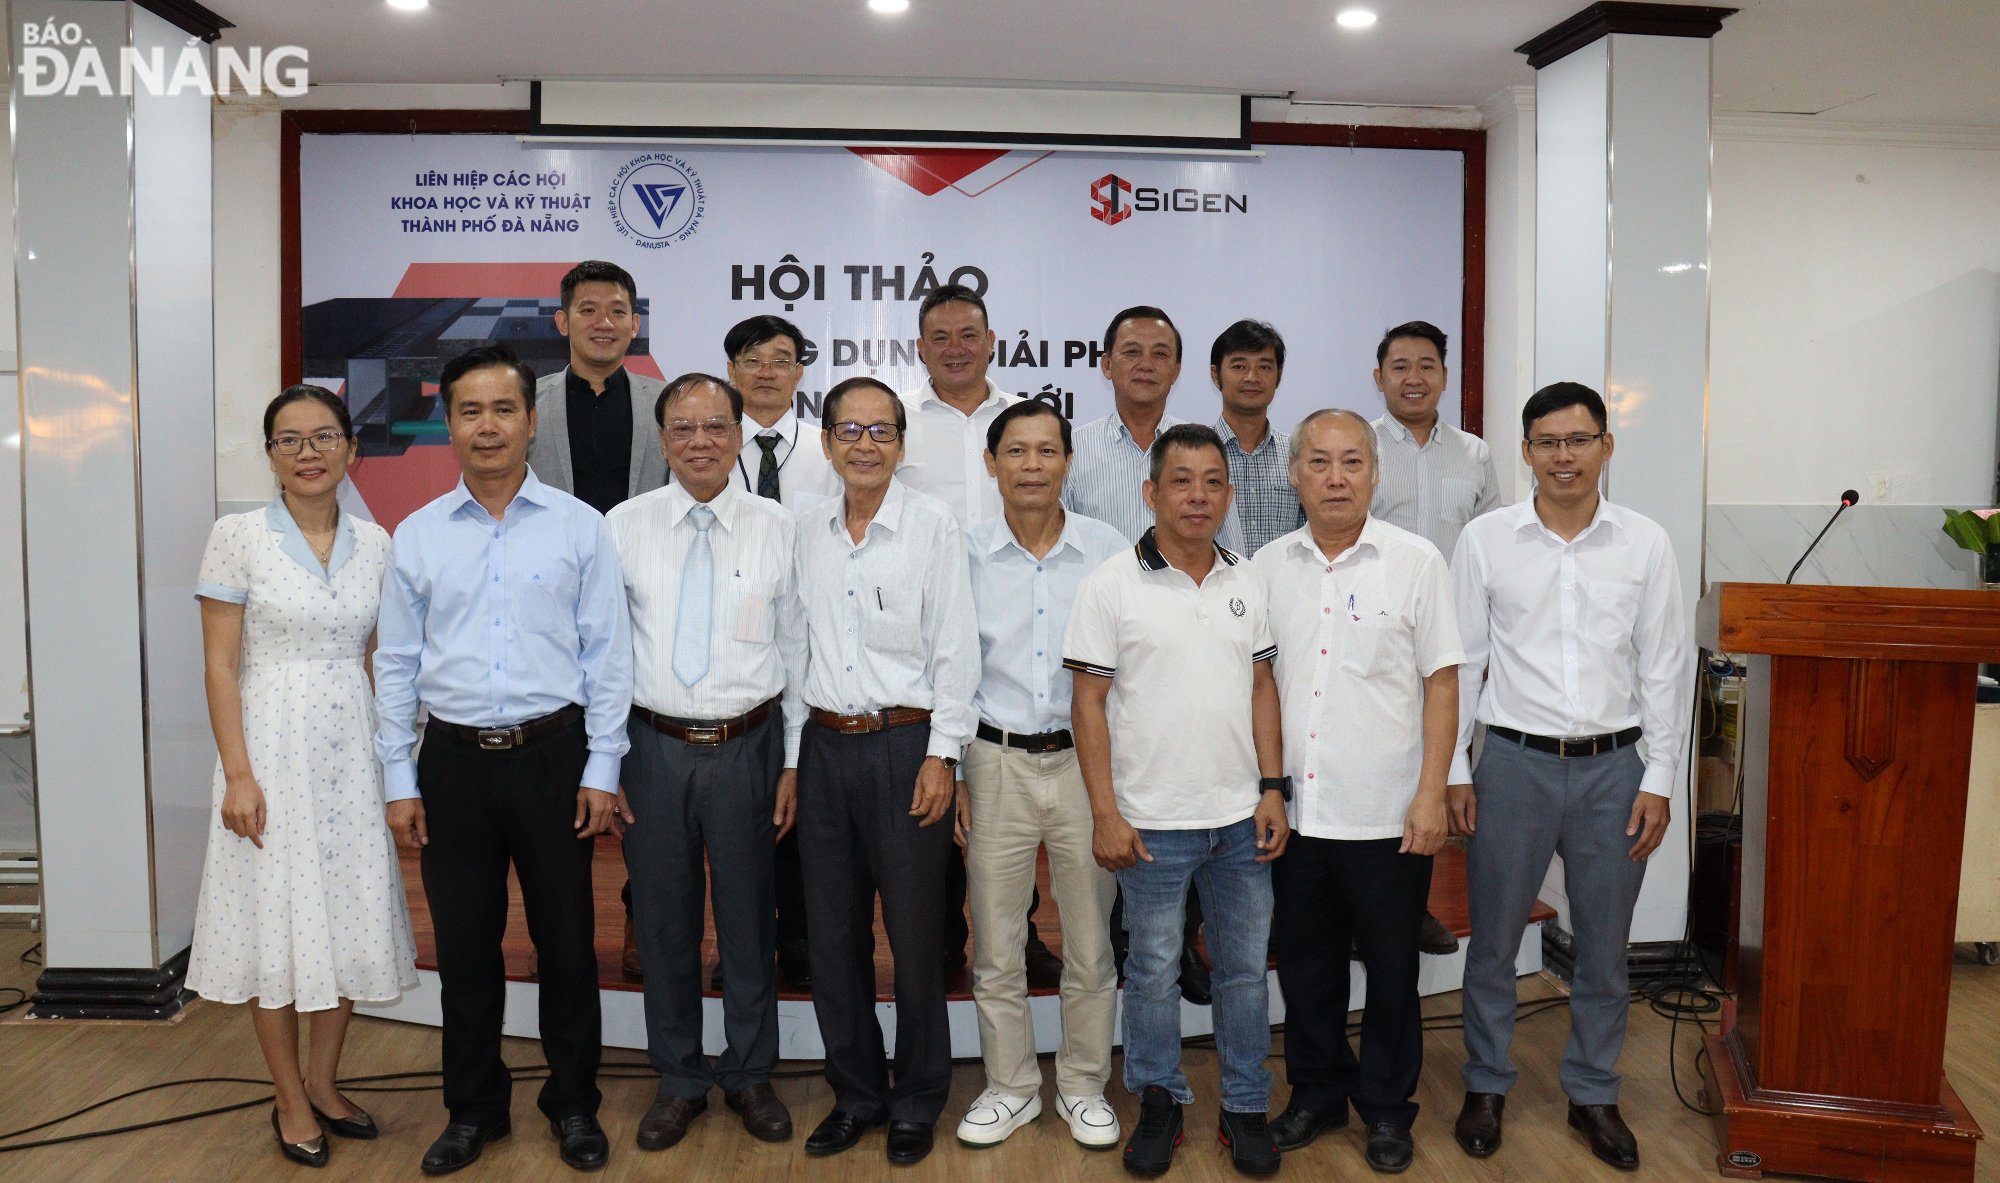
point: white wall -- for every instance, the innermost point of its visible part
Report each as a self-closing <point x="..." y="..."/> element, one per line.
<point x="1510" y="279"/>
<point x="1855" y="316"/>
<point x="248" y="310"/>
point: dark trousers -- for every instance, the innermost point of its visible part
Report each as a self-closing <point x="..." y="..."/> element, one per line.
<point x="485" y="810"/>
<point x="788" y="875"/>
<point x="1331" y="893"/>
<point x="705" y="811"/>
<point x="858" y="839"/>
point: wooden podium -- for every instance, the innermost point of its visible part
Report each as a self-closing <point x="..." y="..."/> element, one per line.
<point x="1857" y="741"/>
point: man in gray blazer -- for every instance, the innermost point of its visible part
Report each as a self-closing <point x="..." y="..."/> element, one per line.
<point x="596" y="437"/>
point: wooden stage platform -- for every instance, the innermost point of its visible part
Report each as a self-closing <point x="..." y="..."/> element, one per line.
<point x="1448" y="903"/>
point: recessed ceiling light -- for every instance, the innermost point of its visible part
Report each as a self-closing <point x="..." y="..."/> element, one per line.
<point x="889" y="7"/>
<point x="410" y="5"/>
<point x="1355" y="18"/>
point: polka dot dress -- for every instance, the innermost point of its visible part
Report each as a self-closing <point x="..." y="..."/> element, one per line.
<point x="318" y="914"/>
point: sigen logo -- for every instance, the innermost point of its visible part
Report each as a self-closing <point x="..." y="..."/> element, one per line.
<point x="1110" y="199"/>
<point x="1114" y="199"/>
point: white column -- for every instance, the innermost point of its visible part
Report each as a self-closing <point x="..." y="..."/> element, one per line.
<point x="113" y="271"/>
<point x="1621" y="287"/>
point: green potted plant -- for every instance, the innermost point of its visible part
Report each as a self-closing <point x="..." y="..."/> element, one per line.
<point x="1978" y="530"/>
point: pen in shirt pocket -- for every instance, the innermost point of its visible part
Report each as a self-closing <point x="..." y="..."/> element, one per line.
<point x="879" y="606"/>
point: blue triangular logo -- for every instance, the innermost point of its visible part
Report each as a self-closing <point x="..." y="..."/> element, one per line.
<point x="659" y="200"/>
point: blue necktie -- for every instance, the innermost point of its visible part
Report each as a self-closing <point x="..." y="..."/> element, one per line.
<point x="691" y="622"/>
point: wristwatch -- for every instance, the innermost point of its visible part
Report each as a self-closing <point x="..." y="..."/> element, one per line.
<point x="1281" y="785"/>
<point x="949" y="761"/>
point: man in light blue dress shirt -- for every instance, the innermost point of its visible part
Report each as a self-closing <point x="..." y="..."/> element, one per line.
<point x="504" y="613"/>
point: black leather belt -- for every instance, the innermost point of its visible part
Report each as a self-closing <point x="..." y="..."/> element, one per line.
<point x="1572" y="746"/>
<point x="1044" y="742"/>
<point x="499" y="739"/>
<point x="703" y="732"/>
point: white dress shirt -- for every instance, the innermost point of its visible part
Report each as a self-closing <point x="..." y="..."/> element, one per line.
<point x="805" y="475"/>
<point x="1106" y="477"/>
<point x="1435" y="489"/>
<point x="944" y="451"/>
<point x="890" y="620"/>
<point x="1573" y="638"/>
<point x="1023" y="604"/>
<point x="1356" y="637"/>
<point x="757" y="643"/>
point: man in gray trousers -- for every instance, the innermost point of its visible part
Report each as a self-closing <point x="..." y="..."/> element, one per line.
<point x="1578" y="660"/>
<point x="710" y="782"/>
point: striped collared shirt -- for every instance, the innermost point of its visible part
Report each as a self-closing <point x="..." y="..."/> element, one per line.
<point x="1265" y="505"/>
<point x="1105" y="476"/>
<point x="1435" y="489"/>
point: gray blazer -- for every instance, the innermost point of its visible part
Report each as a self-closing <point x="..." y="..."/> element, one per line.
<point x="548" y="452"/>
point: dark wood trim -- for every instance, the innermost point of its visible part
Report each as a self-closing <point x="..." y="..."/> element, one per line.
<point x="291" y="283"/>
<point x="189" y="17"/>
<point x="1472" y="305"/>
<point x="1616" y="16"/>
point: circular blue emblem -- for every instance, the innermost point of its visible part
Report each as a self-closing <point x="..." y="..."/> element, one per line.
<point x="657" y="200"/>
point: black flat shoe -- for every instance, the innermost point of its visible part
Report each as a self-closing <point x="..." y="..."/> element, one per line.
<point x="909" y="1142"/>
<point x="460" y="1144"/>
<point x="360" y="1125"/>
<point x="1298" y="1125"/>
<point x="1390" y="1147"/>
<point x="1610" y="1138"/>
<point x="306" y="1154"/>
<point x="581" y="1142"/>
<point x="839" y="1131"/>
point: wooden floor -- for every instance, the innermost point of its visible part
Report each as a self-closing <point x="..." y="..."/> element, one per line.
<point x="1447" y="903"/>
<point x="47" y="1069"/>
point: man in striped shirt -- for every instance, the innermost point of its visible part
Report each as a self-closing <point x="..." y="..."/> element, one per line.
<point x="1246" y="363"/>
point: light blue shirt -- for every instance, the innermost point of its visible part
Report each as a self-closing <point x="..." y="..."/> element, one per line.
<point x="492" y="623"/>
<point x="1023" y="605"/>
<point x="1106" y="478"/>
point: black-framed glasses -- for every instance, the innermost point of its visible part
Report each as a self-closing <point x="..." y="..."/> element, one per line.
<point x="1546" y="445"/>
<point x="882" y="433"/>
<point x="322" y="443"/>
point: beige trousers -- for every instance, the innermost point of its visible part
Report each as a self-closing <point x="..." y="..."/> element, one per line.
<point x="1022" y="801"/>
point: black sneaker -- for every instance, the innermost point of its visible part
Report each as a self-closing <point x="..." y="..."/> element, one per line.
<point x="1248" y="1136"/>
<point x="1151" y="1148"/>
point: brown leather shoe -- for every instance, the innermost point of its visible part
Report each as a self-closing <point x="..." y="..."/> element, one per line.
<point x="631" y="964"/>
<point x="1478" y="1127"/>
<point x="1610" y="1138"/>
<point x="764" y="1115"/>
<point x="667" y="1121"/>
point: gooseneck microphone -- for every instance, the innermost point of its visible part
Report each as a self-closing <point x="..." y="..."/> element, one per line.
<point x="1846" y="499"/>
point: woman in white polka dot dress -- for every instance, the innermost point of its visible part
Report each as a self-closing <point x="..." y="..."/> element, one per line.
<point x="301" y="898"/>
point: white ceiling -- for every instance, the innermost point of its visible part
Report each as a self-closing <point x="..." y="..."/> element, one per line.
<point x="1932" y="62"/>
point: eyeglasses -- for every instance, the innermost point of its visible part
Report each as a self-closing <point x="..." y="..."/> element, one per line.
<point x="322" y="443"/>
<point x="1546" y="445"/>
<point x="780" y="364"/>
<point x="682" y="430"/>
<point x="881" y="433"/>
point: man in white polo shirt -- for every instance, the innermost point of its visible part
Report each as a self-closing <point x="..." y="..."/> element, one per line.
<point x="1176" y="717"/>
<point x="1367" y="669"/>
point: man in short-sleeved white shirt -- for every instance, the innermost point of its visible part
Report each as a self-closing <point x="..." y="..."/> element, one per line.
<point x="1175" y="714"/>
<point x="1367" y="670"/>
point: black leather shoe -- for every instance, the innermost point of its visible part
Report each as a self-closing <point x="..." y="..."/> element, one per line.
<point x="307" y="1154"/>
<point x="839" y="1131"/>
<point x="794" y="964"/>
<point x="1044" y="967"/>
<point x="1248" y="1136"/>
<point x="581" y="1142"/>
<point x="1150" y="1150"/>
<point x="460" y="1144"/>
<point x="1610" y="1139"/>
<point x="1195" y="986"/>
<point x="1298" y="1125"/>
<point x="1477" y="1130"/>
<point x="1434" y="938"/>
<point x="1390" y="1147"/>
<point x="360" y="1125"/>
<point x="909" y="1142"/>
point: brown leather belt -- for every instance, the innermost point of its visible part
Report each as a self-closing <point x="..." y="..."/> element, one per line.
<point x="500" y="739"/>
<point x="1568" y="747"/>
<point x="882" y="720"/>
<point x="703" y="732"/>
<point x="1040" y="743"/>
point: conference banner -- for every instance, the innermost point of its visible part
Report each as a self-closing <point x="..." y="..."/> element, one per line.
<point x="415" y="248"/>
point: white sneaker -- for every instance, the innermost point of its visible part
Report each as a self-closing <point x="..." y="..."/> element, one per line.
<point x="995" y="1115"/>
<point x="1092" y="1121"/>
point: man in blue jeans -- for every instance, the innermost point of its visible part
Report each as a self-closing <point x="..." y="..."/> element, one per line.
<point x="1176" y="719"/>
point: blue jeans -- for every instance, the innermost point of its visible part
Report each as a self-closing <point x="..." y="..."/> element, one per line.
<point x="1236" y="897"/>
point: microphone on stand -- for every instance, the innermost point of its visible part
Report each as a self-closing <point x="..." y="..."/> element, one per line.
<point x="1846" y="499"/>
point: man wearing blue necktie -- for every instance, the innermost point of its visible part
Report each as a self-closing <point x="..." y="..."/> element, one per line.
<point x="718" y="644"/>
